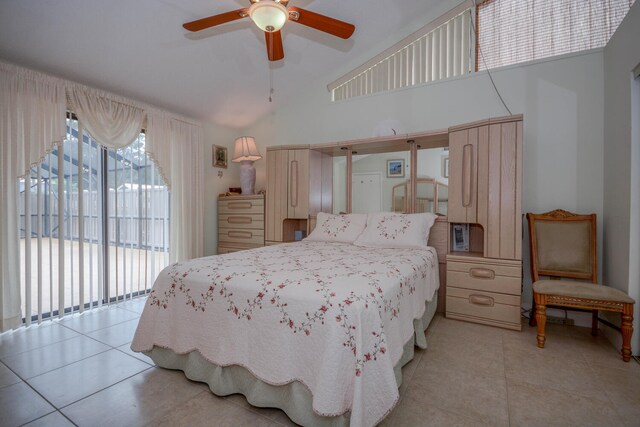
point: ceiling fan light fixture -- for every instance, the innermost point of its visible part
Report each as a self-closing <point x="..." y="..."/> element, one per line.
<point x="268" y="15"/>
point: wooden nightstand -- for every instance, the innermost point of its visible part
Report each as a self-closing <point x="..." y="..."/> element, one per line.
<point x="240" y="223"/>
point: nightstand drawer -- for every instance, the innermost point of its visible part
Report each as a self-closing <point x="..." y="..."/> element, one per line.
<point x="235" y="235"/>
<point x="484" y="277"/>
<point x="255" y="206"/>
<point x="252" y="221"/>
<point x="484" y="307"/>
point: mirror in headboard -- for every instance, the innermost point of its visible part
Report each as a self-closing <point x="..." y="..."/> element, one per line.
<point x="432" y="185"/>
<point x="339" y="183"/>
<point x="374" y="175"/>
<point x="374" y="178"/>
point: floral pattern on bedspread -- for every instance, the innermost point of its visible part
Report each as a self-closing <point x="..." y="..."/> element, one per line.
<point x="325" y="296"/>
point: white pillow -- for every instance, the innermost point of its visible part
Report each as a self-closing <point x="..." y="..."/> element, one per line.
<point x="393" y="230"/>
<point x="338" y="228"/>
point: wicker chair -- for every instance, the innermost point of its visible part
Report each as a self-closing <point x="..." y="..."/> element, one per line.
<point x="563" y="245"/>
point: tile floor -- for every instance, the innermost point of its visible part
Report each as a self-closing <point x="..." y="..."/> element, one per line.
<point x="80" y="371"/>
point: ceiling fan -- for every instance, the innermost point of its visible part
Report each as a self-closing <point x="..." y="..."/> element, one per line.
<point x="270" y="16"/>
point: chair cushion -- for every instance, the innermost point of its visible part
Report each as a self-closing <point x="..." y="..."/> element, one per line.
<point x="564" y="246"/>
<point x="573" y="288"/>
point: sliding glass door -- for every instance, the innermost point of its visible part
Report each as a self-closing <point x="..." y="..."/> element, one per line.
<point x="94" y="226"/>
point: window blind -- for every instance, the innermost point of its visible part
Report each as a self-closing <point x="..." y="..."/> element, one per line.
<point x="440" y="50"/>
<point x="94" y="226"/>
<point x="513" y="31"/>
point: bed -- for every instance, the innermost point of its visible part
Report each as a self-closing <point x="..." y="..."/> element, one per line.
<point x="319" y="329"/>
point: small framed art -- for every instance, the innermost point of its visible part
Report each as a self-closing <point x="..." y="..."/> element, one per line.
<point x="445" y="167"/>
<point x="460" y="237"/>
<point x="219" y="156"/>
<point x="395" y="168"/>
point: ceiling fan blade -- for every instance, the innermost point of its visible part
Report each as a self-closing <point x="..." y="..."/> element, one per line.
<point x="274" y="45"/>
<point x="320" y="22"/>
<point x="214" y="20"/>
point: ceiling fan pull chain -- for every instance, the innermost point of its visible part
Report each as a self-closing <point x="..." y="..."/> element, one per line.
<point x="270" y="83"/>
<point x="270" y="71"/>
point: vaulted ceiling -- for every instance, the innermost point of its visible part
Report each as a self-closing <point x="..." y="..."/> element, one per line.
<point x="221" y="75"/>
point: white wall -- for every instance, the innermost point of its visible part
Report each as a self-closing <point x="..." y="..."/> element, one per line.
<point x="621" y="164"/>
<point x="215" y="185"/>
<point x="562" y="103"/>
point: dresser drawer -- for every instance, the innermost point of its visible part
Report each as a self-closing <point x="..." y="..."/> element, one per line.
<point x="484" y="277"/>
<point x="223" y="249"/>
<point x="235" y="235"/>
<point x="484" y="307"/>
<point x="238" y="220"/>
<point x="255" y="206"/>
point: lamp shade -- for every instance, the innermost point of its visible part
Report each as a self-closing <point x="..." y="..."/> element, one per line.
<point x="245" y="149"/>
<point x="268" y="15"/>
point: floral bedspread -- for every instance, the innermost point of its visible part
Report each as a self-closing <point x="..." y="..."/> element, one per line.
<point x="333" y="316"/>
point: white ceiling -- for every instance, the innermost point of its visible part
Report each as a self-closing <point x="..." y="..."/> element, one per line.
<point x="138" y="48"/>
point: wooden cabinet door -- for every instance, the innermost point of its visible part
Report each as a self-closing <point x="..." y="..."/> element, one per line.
<point x="298" y="184"/>
<point x="499" y="189"/>
<point x="277" y="190"/>
<point x="463" y="183"/>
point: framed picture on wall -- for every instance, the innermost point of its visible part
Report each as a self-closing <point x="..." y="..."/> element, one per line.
<point x="395" y="168"/>
<point x="460" y="237"/>
<point x="219" y="156"/>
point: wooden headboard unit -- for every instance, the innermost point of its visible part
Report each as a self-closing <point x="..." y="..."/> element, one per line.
<point x="439" y="238"/>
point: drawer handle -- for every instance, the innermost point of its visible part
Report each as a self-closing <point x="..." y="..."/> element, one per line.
<point x="239" y="220"/>
<point x="467" y="162"/>
<point x="482" y="273"/>
<point x="478" y="299"/>
<point x="293" y="180"/>
<point x="240" y="234"/>
<point x="239" y="205"/>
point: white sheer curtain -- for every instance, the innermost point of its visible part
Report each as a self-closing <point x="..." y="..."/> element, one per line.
<point x="33" y="109"/>
<point x="32" y="120"/>
<point x="113" y="123"/>
<point x="176" y="147"/>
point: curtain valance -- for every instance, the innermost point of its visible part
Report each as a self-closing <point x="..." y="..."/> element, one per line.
<point x="113" y="124"/>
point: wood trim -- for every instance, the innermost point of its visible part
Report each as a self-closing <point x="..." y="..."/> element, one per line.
<point x="288" y="147"/>
<point x="518" y="206"/>
<point x="383" y="144"/>
<point x="485" y="122"/>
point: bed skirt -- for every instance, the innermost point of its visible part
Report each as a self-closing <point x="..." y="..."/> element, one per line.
<point x="294" y="398"/>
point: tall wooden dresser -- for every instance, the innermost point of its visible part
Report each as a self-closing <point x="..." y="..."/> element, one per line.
<point x="484" y="284"/>
<point x="240" y="223"/>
